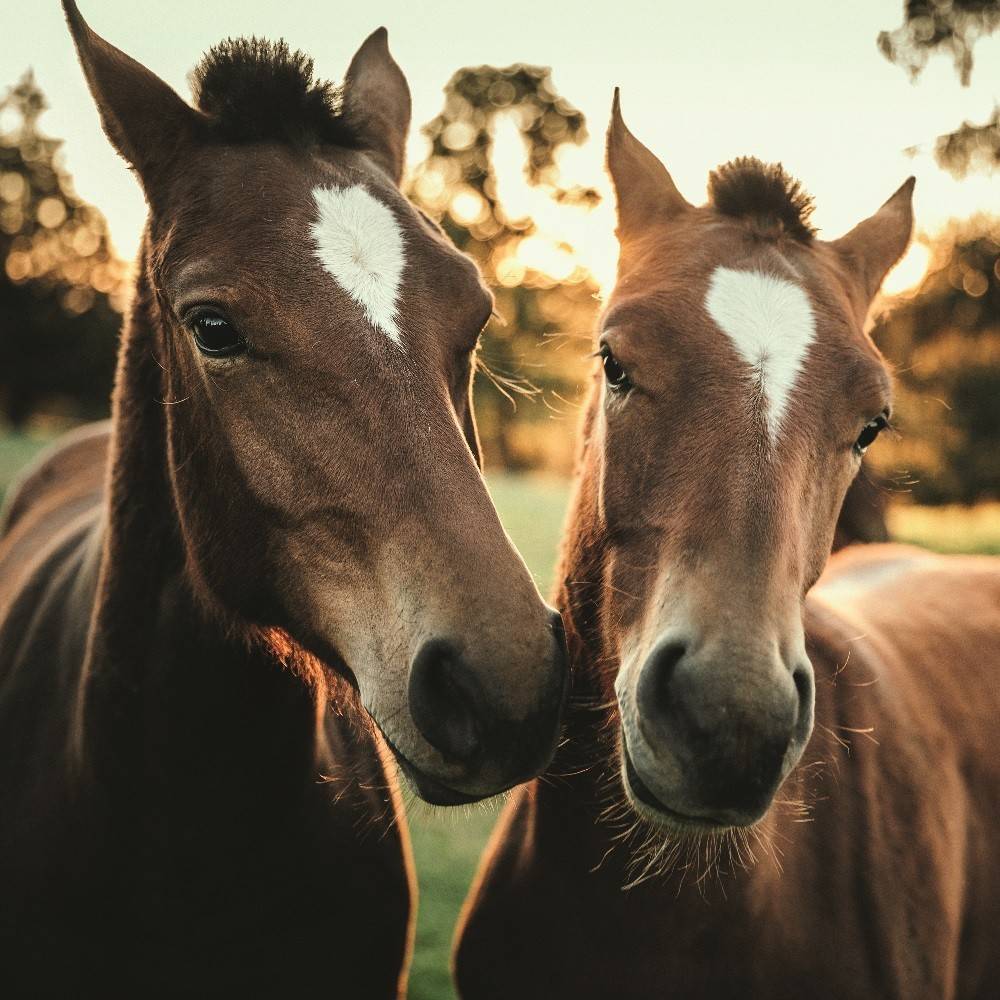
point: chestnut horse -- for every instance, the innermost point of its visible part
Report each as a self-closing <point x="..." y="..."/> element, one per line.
<point x="221" y="617"/>
<point x="760" y="856"/>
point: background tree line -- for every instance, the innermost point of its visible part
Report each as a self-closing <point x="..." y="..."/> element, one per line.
<point x="62" y="288"/>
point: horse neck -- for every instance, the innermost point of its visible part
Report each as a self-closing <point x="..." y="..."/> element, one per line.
<point x="579" y="596"/>
<point x="150" y="636"/>
<point x="580" y="576"/>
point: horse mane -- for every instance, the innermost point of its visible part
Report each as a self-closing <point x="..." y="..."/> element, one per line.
<point x="747" y="188"/>
<point x="253" y="90"/>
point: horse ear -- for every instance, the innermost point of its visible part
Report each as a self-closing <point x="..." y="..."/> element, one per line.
<point x="142" y="117"/>
<point x="643" y="187"/>
<point x="873" y="246"/>
<point x="377" y="102"/>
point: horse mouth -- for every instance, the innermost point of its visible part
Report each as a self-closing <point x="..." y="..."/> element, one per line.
<point x="658" y="811"/>
<point x="432" y="791"/>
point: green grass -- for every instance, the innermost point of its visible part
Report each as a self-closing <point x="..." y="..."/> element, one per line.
<point x="532" y="508"/>
<point x="952" y="528"/>
<point x="16" y="450"/>
<point x="447" y="843"/>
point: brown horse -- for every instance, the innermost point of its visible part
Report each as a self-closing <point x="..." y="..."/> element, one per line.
<point x="760" y="857"/>
<point x="279" y="567"/>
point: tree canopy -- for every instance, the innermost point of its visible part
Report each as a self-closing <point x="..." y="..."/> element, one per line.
<point x="945" y="344"/>
<point x="947" y="26"/>
<point x="61" y="283"/>
<point x="543" y="322"/>
<point x="951" y="26"/>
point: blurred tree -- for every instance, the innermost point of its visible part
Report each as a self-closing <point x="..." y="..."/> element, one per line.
<point x="952" y="26"/>
<point x="946" y="337"/>
<point x="940" y="26"/>
<point x="945" y="341"/>
<point x="543" y="317"/>
<point x="971" y="147"/>
<point x="61" y="285"/>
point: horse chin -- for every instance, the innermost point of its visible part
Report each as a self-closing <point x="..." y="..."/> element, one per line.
<point x="429" y="788"/>
<point x="658" y="813"/>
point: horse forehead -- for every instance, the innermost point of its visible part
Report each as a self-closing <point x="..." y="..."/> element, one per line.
<point x="360" y="242"/>
<point x="771" y="323"/>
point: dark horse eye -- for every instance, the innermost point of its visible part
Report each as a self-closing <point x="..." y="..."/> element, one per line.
<point x="870" y="431"/>
<point x="613" y="372"/>
<point x="216" y="337"/>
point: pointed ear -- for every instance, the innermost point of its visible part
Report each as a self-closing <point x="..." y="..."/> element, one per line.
<point x="873" y="246"/>
<point x="643" y="188"/>
<point x="377" y="103"/>
<point x="145" y="119"/>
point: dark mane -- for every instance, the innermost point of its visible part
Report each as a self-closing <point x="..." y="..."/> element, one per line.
<point x="747" y="188"/>
<point x="252" y="90"/>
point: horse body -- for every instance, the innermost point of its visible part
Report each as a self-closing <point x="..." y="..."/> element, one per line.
<point x="221" y="625"/>
<point x="698" y="835"/>
<point x="167" y="822"/>
<point x="888" y="887"/>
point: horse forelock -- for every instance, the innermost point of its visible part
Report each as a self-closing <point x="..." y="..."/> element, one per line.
<point x="764" y="193"/>
<point x="252" y="89"/>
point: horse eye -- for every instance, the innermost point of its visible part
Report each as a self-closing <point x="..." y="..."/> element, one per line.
<point x="614" y="373"/>
<point x="870" y="431"/>
<point x="216" y="337"/>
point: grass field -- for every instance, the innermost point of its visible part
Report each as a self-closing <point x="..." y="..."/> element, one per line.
<point x="447" y="843"/>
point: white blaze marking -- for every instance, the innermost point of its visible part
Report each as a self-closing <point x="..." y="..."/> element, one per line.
<point x="771" y="324"/>
<point x="358" y="240"/>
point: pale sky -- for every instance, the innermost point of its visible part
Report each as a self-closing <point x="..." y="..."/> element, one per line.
<point x="790" y="80"/>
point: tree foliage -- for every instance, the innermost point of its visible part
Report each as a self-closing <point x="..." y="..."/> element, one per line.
<point x="930" y="26"/>
<point x="544" y="321"/>
<point x="950" y="26"/>
<point x="61" y="284"/>
<point x="945" y="342"/>
<point x="971" y="147"/>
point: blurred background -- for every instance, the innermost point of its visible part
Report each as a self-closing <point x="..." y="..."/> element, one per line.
<point x="852" y="97"/>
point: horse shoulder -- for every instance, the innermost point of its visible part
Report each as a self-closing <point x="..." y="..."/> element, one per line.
<point x="909" y="687"/>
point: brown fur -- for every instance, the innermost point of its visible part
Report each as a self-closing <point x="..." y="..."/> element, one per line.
<point x="212" y="611"/>
<point x="875" y="872"/>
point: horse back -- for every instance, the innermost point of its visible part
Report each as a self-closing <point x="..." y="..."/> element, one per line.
<point x="910" y="642"/>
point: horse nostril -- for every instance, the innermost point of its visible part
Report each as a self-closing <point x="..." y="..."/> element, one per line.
<point x="442" y="701"/>
<point x="802" y="675"/>
<point x="556" y="624"/>
<point x="657" y="676"/>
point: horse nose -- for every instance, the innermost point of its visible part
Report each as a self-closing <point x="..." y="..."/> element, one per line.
<point x="444" y="702"/>
<point x="453" y="712"/>
<point x="532" y="742"/>
<point x="729" y="725"/>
